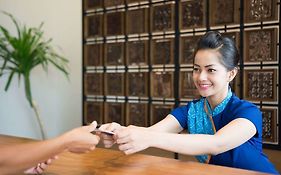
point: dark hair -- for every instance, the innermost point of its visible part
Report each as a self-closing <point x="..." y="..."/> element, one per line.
<point x="224" y="45"/>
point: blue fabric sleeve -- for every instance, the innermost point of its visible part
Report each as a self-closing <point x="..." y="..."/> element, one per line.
<point x="180" y="114"/>
<point x="249" y="111"/>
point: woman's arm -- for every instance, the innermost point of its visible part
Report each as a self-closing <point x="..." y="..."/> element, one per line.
<point x="168" y="124"/>
<point x="133" y="139"/>
<point x="17" y="158"/>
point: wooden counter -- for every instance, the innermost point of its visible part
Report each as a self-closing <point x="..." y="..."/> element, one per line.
<point x="110" y="162"/>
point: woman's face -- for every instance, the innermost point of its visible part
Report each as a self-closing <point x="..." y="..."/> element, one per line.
<point x="210" y="77"/>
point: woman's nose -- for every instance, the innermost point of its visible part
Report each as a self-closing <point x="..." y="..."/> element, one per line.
<point x="202" y="75"/>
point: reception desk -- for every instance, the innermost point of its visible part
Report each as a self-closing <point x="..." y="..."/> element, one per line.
<point x="110" y="162"/>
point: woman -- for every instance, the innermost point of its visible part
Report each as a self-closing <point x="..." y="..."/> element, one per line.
<point x="222" y="129"/>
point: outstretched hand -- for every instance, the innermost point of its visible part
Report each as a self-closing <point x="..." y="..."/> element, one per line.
<point x="81" y="140"/>
<point x="109" y="140"/>
<point x="40" y="167"/>
<point x="133" y="139"/>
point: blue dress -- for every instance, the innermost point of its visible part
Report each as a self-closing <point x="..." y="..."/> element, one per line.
<point x="249" y="155"/>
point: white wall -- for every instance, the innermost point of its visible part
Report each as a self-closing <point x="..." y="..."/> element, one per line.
<point x="59" y="100"/>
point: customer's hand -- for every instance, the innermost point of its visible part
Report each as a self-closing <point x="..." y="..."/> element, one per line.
<point x="40" y="167"/>
<point x="81" y="140"/>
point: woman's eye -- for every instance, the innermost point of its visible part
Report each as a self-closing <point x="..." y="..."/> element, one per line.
<point x="195" y="69"/>
<point x="211" y="70"/>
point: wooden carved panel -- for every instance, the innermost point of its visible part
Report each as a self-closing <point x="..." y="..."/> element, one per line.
<point x="114" y="112"/>
<point x="260" y="45"/>
<point x="93" y="54"/>
<point x="114" y="23"/>
<point x="114" y="54"/>
<point x="93" y="84"/>
<point x="162" y="18"/>
<point x="110" y="3"/>
<point x="163" y="51"/>
<point x="188" y="46"/>
<point x="192" y="14"/>
<point x="90" y="4"/>
<point x="93" y="26"/>
<point x="93" y="112"/>
<point x="162" y="84"/>
<point x="114" y="84"/>
<point x="137" y="114"/>
<point x="269" y="124"/>
<point x="224" y="12"/>
<point x="260" y="10"/>
<point x="137" y="21"/>
<point x="134" y="1"/>
<point x="137" y="52"/>
<point x="159" y="112"/>
<point x="260" y="85"/>
<point x="187" y="87"/>
<point x="137" y="84"/>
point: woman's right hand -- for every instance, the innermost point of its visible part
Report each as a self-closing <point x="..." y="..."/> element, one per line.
<point x="109" y="140"/>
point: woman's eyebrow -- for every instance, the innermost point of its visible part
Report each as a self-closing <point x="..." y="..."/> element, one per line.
<point x="209" y="65"/>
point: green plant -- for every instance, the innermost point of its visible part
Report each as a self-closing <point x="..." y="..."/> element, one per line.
<point x="21" y="53"/>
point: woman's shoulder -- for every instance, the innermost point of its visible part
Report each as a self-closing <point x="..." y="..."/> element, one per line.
<point x="237" y="102"/>
<point x="241" y="106"/>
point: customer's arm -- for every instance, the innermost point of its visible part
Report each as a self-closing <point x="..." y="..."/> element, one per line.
<point x="17" y="158"/>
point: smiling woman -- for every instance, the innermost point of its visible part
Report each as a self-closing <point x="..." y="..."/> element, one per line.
<point x="222" y="129"/>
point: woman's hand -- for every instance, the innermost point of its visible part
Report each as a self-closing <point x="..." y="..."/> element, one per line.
<point x="40" y="167"/>
<point x="133" y="139"/>
<point x="109" y="140"/>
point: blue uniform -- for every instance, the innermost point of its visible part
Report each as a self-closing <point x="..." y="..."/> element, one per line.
<point x="246" y="156"/>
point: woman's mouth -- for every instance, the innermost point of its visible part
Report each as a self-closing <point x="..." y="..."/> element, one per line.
<point x="204" y="86"/>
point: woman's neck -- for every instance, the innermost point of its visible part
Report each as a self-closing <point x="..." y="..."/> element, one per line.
<point x="216" y="99"/>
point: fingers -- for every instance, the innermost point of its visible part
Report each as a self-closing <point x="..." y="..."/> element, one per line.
<point x="92" y="147"/>
<point x="40" y="167"/>
<point x="110" y="126"/>
<point x="91" y="127"/>
<point x="108" y="143"/>
<point x="94" y="124"/>
<point x="43" y="166"/>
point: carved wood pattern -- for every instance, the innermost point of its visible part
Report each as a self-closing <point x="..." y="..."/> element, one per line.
<point x="260" y="10"/>
<point x="94" y="84"/>
<point x="162" y="83"/>
<point x="159" y="112"/>
<point x="192" y="14"/>
<point x="269" y="122"/>
<point x="260" y="85"/>
<point x="137" y="114"/>
<point x="114" y="84"/>
<point x="137" y="84"/>
<point x="114" y="113"/>
<point x="162" y="18"/>
<point x="93" y="112"/>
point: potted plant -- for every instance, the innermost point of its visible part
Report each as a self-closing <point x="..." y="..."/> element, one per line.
<point x="21" y="53"/>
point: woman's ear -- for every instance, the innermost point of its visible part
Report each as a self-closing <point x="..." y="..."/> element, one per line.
<point x="232" y="74"/>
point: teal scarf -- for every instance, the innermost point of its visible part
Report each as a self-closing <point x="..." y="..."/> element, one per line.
<point x="200" y="123"/>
